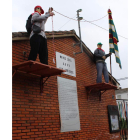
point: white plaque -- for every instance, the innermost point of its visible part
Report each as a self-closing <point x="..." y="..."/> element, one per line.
<point x="66" y="63"/>
<point x="114" y="122"/>
<point x="68" y="105"/>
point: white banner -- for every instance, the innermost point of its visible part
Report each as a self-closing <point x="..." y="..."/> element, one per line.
<point x="66" y="63"/>
<point x="68" y="105"/>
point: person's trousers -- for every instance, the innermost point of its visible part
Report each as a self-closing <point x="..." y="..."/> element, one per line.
<point x="102" y="68"/>
<point x="38" y="45"/>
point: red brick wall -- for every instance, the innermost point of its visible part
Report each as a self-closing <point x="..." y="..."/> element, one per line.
<point x="37" y="117"/>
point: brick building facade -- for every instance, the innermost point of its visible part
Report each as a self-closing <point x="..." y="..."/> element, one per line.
<point x="36" y="116"/>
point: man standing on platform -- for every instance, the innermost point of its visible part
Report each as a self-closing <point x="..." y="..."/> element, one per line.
<point x="38" y="40"/>
<point x="101" y="64"/>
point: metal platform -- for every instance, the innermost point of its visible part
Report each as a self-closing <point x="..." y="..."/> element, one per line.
<point x="37" y="69"/>
<point x="99" y="88"/>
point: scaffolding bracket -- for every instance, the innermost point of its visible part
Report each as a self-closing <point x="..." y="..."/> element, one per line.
<point x="14" y="73"/>
<point x="99" y="88"/>
<point x="42" y="83"/>
<point x="37" y="69"/>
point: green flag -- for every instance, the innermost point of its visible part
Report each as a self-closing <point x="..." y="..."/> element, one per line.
<point x="113" y="39"/>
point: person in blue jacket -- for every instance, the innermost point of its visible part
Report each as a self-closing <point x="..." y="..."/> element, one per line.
<point x="38" y="41"/>
<point x="101" y="64"/>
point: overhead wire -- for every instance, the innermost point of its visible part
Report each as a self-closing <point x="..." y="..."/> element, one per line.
<point x="66" y="23"/>
<point x="89" y="22"/>
<point x="96" y="25"/>
<point x="95" y="20"/>
<point x="53" y="41"/>
<point x="65" y="16"/>
<point x="104" y="29"/>
<point x="83" y="19"/>
<point x="122" y="78"/>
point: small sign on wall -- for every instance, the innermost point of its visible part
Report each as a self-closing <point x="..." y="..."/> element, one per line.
<point x="113" y="116"/>
<point x="66" y="63"/>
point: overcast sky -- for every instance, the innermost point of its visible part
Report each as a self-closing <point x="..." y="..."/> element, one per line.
<point x="91" y="34"/>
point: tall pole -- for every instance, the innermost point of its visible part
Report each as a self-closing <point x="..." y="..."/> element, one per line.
<point x="111" y="69"/>
<point x="110" y="57"/>
<point x="79" y="30"/>
<point x="80" y="42"/>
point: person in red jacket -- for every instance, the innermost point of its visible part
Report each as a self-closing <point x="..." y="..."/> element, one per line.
<point x="38" y="41"/>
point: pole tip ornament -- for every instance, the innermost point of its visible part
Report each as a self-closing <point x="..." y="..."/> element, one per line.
<point x="109" y="11"/>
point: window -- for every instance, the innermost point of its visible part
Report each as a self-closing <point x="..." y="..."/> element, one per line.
<point x="118" y="96"/>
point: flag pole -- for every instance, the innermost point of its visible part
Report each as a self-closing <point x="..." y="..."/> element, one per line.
<point x="110" y="58"/>
<point x="111" y="69"/>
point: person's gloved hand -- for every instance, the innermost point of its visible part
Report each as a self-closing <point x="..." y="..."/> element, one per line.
<point x="51" y="14"/>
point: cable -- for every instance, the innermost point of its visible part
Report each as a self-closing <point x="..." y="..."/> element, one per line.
<point x="89" y="22"/>
<point x="76" y="19"/>
<point x="104" y="28"/>
<point x="122" y="78"/>
<point x="53" y="40"/>
<point x="65" y="16"/>
<point x="66" y="23"/>
<point x="94" y="20"/>
<point x="96" y="25"/>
